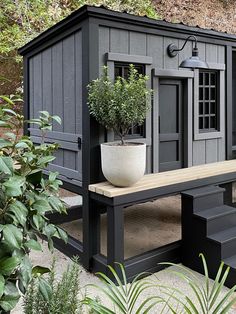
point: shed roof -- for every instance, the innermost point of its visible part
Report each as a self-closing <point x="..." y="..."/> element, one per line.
<point x="104" y="13"/>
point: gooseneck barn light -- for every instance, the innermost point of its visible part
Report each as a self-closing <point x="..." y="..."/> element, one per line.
<point x="194" y="61"/>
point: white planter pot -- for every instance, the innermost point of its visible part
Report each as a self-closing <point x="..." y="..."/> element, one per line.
<point x="123" y="165"/>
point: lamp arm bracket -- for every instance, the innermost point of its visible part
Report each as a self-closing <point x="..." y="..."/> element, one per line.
<point x="173" y="50"/>
<point x="187" y="39"/>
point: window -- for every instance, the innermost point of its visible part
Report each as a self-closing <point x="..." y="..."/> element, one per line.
<point x="208" y="101"/>
<point x="122" y="70"/>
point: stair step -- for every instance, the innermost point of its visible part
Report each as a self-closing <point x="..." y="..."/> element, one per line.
<point x="227" y="241"/>
<point x="217" y="219"/>
<point x="215" y="212"/>
<point x="203" y="198"/>
<point x="224" y="236"/>
<point x="204" y="191"/>
<point x="230" y="261"/>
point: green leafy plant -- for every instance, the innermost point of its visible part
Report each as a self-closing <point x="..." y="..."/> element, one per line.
<point x="63" y="296"/>
<point x="119" y="105"/>
<point x="210" y="298"/>
<point x="25" y="197"/>
<point x="125" y="297"/>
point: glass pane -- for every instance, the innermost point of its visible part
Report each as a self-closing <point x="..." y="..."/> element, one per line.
<point x="118" y="71"/>
<point x="213" y="105"/>
<point x="212" y="123"/>
<point x="207" y="81"/>
<point x="201" y="123"/>
<point x="206" y="107"/>
<point x="200" y="107"/>
<point x="200" y="93"/>
<point x="213" y="93"/>
<point x="213" y="78"/>
<point x="206" y="123"/>
<point x="200" y="78"/>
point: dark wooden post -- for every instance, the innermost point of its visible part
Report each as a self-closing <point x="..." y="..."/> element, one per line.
<point x="115" y="236"/>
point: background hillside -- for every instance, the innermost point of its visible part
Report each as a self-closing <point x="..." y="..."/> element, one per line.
<point x="22" y="20"/>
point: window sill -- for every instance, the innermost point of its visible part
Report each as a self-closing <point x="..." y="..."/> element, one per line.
<point x="208" y="135"/>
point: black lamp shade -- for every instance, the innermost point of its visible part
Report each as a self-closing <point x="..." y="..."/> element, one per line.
<point x="194" y="62"/>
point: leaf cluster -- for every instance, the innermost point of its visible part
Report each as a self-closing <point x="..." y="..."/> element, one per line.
<point x="60" y="296"/>
<point x="25" y="198"/>
<point x="121" y="104"/>
<point x="125" y="298"/>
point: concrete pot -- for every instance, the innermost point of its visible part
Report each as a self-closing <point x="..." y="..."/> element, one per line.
<point x="123" y="165"/>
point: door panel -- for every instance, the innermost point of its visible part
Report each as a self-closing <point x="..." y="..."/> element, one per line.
<point x="170" y="125"/>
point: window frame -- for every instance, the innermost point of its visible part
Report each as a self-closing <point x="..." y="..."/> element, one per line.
<point x="142" y="67"/>
<point x="208" y="114"/>
<point x="219" y="132"/>
<point x="146" y="61"/>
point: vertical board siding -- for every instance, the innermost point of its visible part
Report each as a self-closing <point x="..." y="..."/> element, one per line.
<point x="31" y="87"/>
<point x="199" y="153"/>
<point x="170" y="63"/>
<point x="211" y="150"/>
<point x="56" y="86"/>
<point x="37" y="89"/>
<point x="78" y="83"/>
<point x="155" y="50"/>
<point x="47" y="80"/>
<point x="104" y="45"/>
<point x="138" y="44"/>
<point x="119" y="41"/>
<point x="69" y="84"/>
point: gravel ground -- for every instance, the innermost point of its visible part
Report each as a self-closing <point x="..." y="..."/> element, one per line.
<point x="165" y="277"/>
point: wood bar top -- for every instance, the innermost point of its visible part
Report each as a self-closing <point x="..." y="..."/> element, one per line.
<point x="166" y="178"/>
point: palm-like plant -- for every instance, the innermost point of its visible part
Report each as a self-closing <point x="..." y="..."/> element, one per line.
<point x="124" y="296"/>
<point x="210" y="298"/>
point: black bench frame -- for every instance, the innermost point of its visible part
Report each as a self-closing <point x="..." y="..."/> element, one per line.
<point x="147" y="261"/>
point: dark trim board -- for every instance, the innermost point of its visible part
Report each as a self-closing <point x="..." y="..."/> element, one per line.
<point x="146" y="262"/>
<point x="72" y="248"/>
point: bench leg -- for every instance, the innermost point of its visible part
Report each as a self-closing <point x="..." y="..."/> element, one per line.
<point x="115" y="236"/>
<point x="91" y="232"/>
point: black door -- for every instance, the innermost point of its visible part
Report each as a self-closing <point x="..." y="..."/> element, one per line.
<point x="170" y="125"/>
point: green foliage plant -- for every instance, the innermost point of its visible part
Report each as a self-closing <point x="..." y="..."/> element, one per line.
<point x="25" y="197"/>
<point x="125" y="297"/>
<point x="209" y="298"/>
<point x="121" y="104"/>
<point x="64" y="293"/>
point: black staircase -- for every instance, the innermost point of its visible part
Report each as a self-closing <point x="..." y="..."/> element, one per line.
<point x="208" y="227"/>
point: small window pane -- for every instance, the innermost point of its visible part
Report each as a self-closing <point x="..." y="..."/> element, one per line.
<point x="213" y="93"/>
<point x="207" y="101"/>
<point x="200" y="93"/>
<point x="207" y="94"/>
<point x="213" y="110"/>
<point x="201" y="123"/>
<point x="206" y="79"/>
<point x="206" y="123"/>
<point x="212" y="122"/>
<point x="213" y="78"/>
<point x="200" y="78"/>
<point x="200" y="107"/>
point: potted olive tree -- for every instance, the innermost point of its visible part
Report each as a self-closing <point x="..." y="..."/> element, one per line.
<point x="118" y="106"/>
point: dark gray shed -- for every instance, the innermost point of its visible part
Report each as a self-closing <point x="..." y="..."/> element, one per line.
<point x="196" y="126"/>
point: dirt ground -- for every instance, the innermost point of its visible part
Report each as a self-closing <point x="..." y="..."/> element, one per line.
<point x="147" y="226"/>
